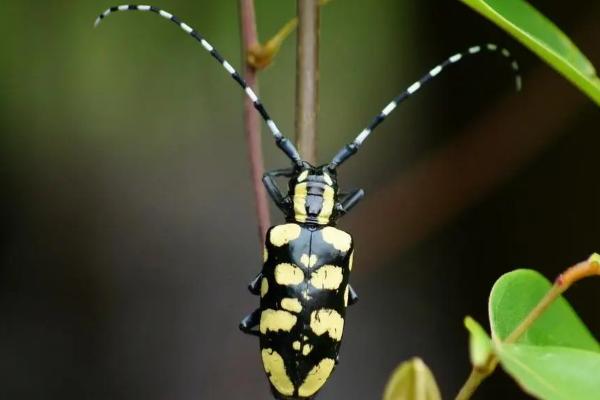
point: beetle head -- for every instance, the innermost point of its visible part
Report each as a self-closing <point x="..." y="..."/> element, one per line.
<point x="314" y="194"/>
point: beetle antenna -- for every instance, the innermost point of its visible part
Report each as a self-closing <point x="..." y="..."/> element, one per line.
<point x="350" y="149"/>
<point x="282" y="142"/>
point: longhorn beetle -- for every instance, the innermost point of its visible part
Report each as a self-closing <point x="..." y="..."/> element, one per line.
<point x="304" y="282"/>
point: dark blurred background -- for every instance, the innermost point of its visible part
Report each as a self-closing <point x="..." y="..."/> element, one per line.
<point x="128" y="231"/>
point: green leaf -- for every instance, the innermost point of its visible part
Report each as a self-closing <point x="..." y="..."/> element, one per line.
<point x="557" y="358"/>
<point x="541" y="36"/>
<point x="553" y="373"/>
<point x="412" y="380"/>
<point x="480" y="344"/>
<point x="516" y="293"/>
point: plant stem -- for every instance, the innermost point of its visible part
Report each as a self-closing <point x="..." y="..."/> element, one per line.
<point x="476" y="376"/>
<point x="564" y="281"/>
<point x="252" y="120"/>
<point x="307" y="78"/>
<point x="582" y="270"/>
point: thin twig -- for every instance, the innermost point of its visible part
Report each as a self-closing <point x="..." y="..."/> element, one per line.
<point x="251" y="118"/>
<point x="262" y="55"/>
<point x="472" y="383"/>
<point x="564" y="281"/>
<point x="307" y="78"/>
<point x="582" y="270"/>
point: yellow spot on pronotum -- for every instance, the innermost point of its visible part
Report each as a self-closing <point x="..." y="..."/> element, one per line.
<point x="328" y="179"/>
<point x="291" y="304"/>
<point x="346" y="294"/>
<point x="288" y="274"/>
<point x="302" y="176"/>
<point x="327" y="277"/>
<point x="306" y="349"/>
<point x="264" y="287"/>
<point x="300" y="192"/>
<point x="296" y="345"/>
<point x="283" y="234"/>
<point x="326" y="320"/>
<point x="275" y="369"/>
<point x="265" y="254"/>
<point x="327" y="207"/>
<point x="340" y="240"/>
<point x="276" y="320"/>
<point x="351" y="261"/>
<point x="307" y="261"/>
<point x="316" y="377"/>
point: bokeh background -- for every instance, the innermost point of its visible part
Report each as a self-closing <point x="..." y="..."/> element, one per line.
<point x="128" y="230"/>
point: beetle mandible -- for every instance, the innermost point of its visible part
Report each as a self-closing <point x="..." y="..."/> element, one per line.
<point x="304" y="283"/>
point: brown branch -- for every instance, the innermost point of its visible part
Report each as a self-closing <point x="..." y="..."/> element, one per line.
<point x="307" y="78"/>
<point x="251" y="118"/>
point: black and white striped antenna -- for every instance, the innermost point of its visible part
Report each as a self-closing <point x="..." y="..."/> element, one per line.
<point x="282" y="142"/>
<point x="350" y="149"/>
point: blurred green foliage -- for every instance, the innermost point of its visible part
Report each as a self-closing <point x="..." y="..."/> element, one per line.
<point x="544" y="38"/>
<point x="412" y="380"/>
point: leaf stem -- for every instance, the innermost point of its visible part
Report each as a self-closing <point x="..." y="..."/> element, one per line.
<point x="579" y="271"/>
<point x="307" y="78"/>
<point x="249" y="38"/>
<point x="582" y="270"/>
<point x="475" y="378"/>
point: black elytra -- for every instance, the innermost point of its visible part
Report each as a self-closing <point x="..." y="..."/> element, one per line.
<point x="304" y="283"/>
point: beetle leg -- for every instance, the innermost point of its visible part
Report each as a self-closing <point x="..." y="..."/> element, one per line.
<point x="349" y="201"/>
<point x="283" y="202"/>
<point x="254" y="286"/>
<point x="286" y="172"/>
<point x="352" y="296"/>
<point x="249" y="322"/>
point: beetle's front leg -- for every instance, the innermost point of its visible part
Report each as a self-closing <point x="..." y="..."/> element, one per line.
<point x="349" y="201"/>
<point x="254" y="286"/>
<point x="352" y="296"/>
<point x="283" y="202"/>
<point x="250" y="322"/>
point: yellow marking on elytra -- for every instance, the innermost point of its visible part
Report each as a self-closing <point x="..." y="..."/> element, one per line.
<point x="276" y="320"/>
<point x="327" y="320"/>
<point x="264" y="287"/>
<point x="265" y="254"/>
<point x="306" y="349"/>
<point x="307" y="261"/>
<point x="316" y="377"/>
<point x="328" y="179"/>
<point x="288" y="274"/>
<point x="296" y="345"/>
<point x="291" y="304"/>
<point x="302" y="176"/>
<point x="300" y="192"/>
<point x="327" y="277"/>
<point x="346" y="294"/>
<point x="283" y="234"/>
<point x="275" y="369"/>
<point x="340" y="240"/>
<point x="327" y="207"/>
<point x="351" y="261"/>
